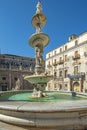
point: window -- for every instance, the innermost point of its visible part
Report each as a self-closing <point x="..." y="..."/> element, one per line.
<point x="49" y="63"/>
<point x="16" y="78"/>
<point x="55" y="74"/>
<point x="21" y="63"/>
<point x="66" y="73"/>
<point x="55" y="86"/>
<point x="49" y="56"/>
<point x="76" y="53"/>
<point x="76" y="42"/>
<point x="54" y="52"/>
<point x="60" y="73"/>
<point x="54" y="60"/>
<point x="66" y="47"/>
<point x="60" y="59"/>
<point x="65" y="88"/>
<point x="66" y="58"/>
<point x="60" y="86"/>
<point x="60" y="49"/>
<point x="65" y="85"/>
<point x="3" y="78"/>
<point x="76" y="70"/>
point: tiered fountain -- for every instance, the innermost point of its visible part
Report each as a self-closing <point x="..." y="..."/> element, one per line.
<point x="39" y="40"/>
<point x="40" y="113"/>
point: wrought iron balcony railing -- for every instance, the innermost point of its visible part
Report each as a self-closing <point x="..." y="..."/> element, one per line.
<point x="60" y="62"/>
<point x="49" y="65"/>
<point x="76" y="57"/>
<point x="55" y="64"/>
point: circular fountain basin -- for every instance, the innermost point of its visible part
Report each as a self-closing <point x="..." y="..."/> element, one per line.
<point x="39" y="39"/>
<point x="35" y="79"/>
<point x="45" y="115"/>
<point x="50" y="96"/>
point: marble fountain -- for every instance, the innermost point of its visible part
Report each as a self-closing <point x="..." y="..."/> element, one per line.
<point x="43" y="114"/>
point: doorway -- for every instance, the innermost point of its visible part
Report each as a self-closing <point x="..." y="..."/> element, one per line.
<point x="76" y="86"/>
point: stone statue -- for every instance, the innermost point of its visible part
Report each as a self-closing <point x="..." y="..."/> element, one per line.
<point x="39" y="7"/>
<point x="39" y="57"/>
<point x="18" y="84"/>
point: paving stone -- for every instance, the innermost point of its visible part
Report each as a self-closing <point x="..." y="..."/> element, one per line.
<point x="4" y="126"/>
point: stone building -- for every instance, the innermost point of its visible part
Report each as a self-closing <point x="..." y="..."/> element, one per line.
<point x="12" y="70"/>
<point x="68" y="64"/>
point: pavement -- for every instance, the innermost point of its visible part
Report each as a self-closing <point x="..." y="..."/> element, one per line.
<point x="4" y="126"/>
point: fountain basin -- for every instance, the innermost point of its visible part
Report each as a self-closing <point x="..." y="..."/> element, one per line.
<point x="68" y="115"/>
<point x="51" y="96"/>
<point x="48" y="116"/>
<point x="39" y="82"/>
<point x="39" y="39"/>
<point x="35" y="79"/>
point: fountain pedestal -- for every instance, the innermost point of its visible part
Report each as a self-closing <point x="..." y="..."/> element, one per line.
<point x="39" y="83"/>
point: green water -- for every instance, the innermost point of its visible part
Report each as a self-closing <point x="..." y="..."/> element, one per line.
<point x="51" y="97"/>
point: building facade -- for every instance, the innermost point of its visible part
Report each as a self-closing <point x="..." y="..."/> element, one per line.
<point x="68" y="65"/>
<point x="12" y="70"/>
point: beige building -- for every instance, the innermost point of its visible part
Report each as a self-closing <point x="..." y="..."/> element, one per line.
<point x="12" y="70"/>
<point x="68" y="64"/>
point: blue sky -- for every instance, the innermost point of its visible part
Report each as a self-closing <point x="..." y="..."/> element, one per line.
<point x="64" y="18"/>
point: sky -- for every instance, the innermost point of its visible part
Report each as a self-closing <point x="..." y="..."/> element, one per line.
<point x="64" y="18"/>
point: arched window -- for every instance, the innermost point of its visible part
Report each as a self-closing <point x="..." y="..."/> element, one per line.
<point x="54" y="52"/>
<point x="60" y="73"/>
<point x="76" y="70"/>
<point x="76" y="53"/>
<point x="49" y="56"/>
<point x="66" y="58"/>
<point x="55" y="60"/>
<point x="65" y="47"/>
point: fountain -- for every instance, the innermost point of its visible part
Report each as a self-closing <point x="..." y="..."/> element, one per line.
<point x="30" y="111"/>
<point x="39" y="40"/>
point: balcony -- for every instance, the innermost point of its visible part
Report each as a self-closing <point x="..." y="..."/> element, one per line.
<point x="76" y="57"/>
<point x="15" y="68"/>
<point x="79" y="75"/>
<point x="60" y="62"/>
<point x="49" y="65"/>
<point x="76" y="63"/>
<point x="55" y="64"/>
